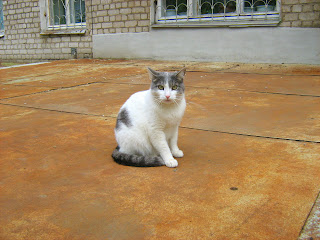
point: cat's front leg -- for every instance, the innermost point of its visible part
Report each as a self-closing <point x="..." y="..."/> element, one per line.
<point x="176" y="152"/>
<point x="159" y="142"/>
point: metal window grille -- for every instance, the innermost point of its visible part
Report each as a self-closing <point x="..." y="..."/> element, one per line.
<point x="66" y="14"/>
<point x="1" y="17"/>
<point x="215" y="11"/>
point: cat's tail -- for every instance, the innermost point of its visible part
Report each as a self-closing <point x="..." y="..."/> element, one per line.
<point x="135" y="160"/>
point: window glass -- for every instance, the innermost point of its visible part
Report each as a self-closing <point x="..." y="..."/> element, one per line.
<point x="217" y="6"/>
<point x="1" y="16"/>
<point x="78" y="12"/>
<point x="217" y="12"/>
<point x="176" y="7"/>
<point x="259" y="5"/>
<point x="59" y="12"/>
<point x="67" y="13"/>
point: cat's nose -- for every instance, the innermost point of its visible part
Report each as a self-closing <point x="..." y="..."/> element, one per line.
<point x="167" y="96"/>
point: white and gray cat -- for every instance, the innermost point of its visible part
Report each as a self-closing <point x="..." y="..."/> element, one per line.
<point x="148" y="122"/>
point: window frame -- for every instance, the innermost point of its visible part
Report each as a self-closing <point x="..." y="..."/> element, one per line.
<point x="239" y="18"/>
<point x="47" y="28"/>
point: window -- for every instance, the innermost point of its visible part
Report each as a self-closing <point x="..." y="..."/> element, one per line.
<point x="66" y="14"/>
<point x="1" y="19"/>
<point x="216" y="12"/>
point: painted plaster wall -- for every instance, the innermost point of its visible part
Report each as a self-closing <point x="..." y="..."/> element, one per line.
<point x="260" y="45"/>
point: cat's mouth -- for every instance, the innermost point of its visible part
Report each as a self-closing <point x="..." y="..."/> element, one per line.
<point x="167" y="101"/>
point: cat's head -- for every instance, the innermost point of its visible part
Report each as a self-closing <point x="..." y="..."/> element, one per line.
<point x="167" y="87"/>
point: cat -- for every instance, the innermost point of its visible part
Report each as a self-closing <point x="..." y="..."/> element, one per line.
<point x="147" y="124"/>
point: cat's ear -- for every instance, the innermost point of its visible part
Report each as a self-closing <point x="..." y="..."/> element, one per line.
<point x="180" y="75"/>
<point x="153" y="74"/>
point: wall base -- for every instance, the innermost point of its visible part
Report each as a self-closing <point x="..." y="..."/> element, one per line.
<point x="246" y="45"/>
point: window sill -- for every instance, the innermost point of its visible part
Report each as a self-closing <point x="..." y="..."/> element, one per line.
<point x="230" y="24"/>
<point x="74" y="31"/>
<point x="1" y="34"/>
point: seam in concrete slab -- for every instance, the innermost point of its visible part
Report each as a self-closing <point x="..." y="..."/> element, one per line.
<point x="262" y="92"/>
<point x="277" y="93"/>
<point x="59" y="88"/>
<point x="184" y="127"/>
<point x="272" y="74"/>
<point x="226" y="71"/>
<point x="252" y="135"/>
<point x="228" y="89"/>
<point x="25" y="95"/>
<point x="62" y="88"/>
<point x="53" y="110"/>
<point x="224" y="89"/>
<point x="21" y="79"/>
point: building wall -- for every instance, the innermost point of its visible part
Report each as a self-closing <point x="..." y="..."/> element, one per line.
<point x="246" y="45"/>
<point x="300" y="13"/>
<point x="120" y="16"/>
<point x="295" y="40"/>
<point x="23" y="42"/>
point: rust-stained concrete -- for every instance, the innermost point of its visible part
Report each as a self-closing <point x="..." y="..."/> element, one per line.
<point x="251" y="138"/>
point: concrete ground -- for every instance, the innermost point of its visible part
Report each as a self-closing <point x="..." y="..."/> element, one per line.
<point x="251" y="138"/>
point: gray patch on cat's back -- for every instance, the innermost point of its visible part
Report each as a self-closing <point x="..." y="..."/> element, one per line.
<point x="123" y="118"/>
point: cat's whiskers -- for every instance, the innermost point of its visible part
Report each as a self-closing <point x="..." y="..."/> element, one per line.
<point x="176" y="102"/>
<point x="158" y="102"/>
<point x="178" y="99"/>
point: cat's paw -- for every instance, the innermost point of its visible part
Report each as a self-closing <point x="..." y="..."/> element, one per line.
<point x="172" y="163"/>
<point x="177" y="153"/>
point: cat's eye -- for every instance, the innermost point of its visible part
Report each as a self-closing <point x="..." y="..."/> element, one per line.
<point x="175" y="87"/>
<point x="161" y="87"/>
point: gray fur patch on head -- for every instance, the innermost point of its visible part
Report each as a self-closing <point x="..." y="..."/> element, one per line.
<point x="172" y="78"/>
<point x="123" y="118"/>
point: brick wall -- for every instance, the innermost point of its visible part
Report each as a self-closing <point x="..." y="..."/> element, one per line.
<point x="23" y="42"/>
<point x="120" y="16"/>
<point x="300" y="13"/>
